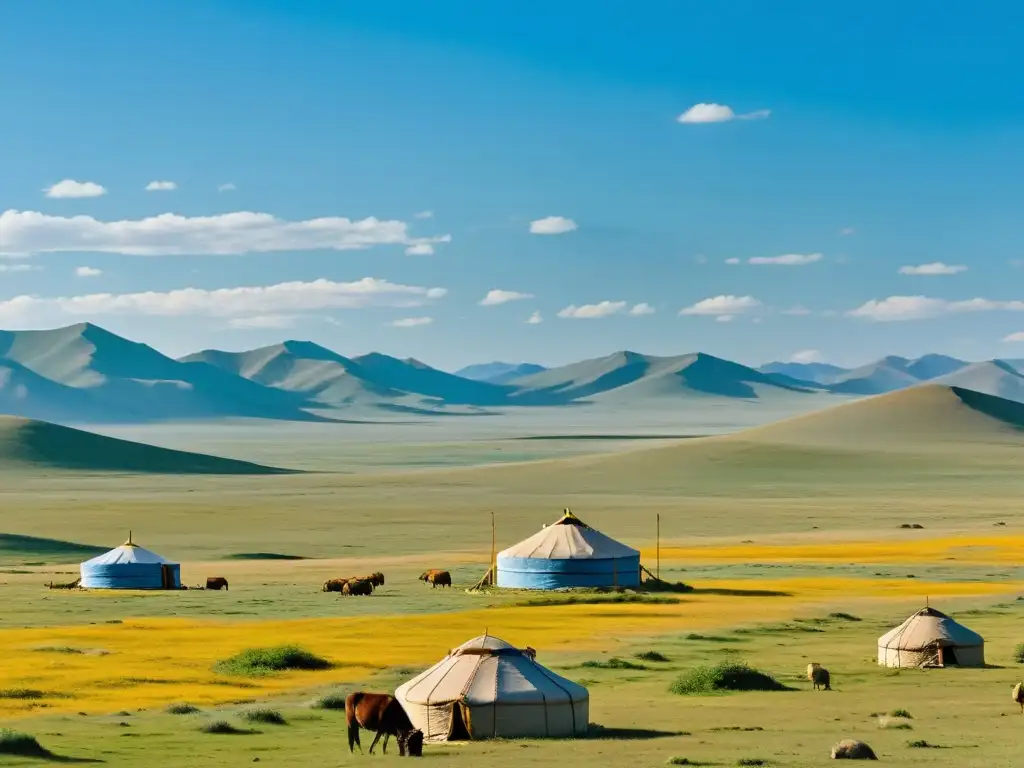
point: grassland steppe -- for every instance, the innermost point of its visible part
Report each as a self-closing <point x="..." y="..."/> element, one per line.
<point x="790" y="510"/>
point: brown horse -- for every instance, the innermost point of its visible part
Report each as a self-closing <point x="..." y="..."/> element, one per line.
<point x="216" y="582"/>
<point x="381" y="713"/>
<point x="436" y="578"/>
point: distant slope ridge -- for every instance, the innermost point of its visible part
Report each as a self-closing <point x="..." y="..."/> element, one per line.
<point x="498" y="372"/>
<point x="26" y="444"/>
<point x="993" y="377"/>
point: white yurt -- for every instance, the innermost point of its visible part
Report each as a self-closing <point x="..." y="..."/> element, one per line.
<point x="568" y="553"/>
<point x="930" y="638"/>
<point x="130" y="567"/>
<point x="487" y="689"/>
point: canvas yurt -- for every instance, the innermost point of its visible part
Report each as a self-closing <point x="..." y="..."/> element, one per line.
<point x="130" y="567"/>
<point x="930" y="638"/>
<point x="568" y="553"/>
<point x="487" y="689"/>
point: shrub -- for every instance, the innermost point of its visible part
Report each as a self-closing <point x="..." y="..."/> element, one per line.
<point x="30" y="693"/>
<point x="254" y="662"/>
<point x="901" y="713"/>
<point x="725" y="676"/>
<point x="223" y="728"/>
<point x="1018" y="653"/>
<point x="752" y="761"/>
<point x="682" y="761"/>
<point x="266" y="716"/>
<point x="330" y="701"/>
<point x="181" y="709"/>
<point x="920" y="744"/>
<point x="652" y="656"/>
<point x="22" y="745"/>
<point x="840" y="616"/>
<point x="612" y="664"/>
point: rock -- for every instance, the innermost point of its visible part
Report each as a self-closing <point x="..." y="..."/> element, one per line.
<point x="850" y="749"/>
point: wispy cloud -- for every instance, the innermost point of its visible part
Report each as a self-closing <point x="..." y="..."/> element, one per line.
<point x="847" y="231"/>
<point x="788" y="259"/>
<point x="291" y="298"/>
<point x="535" y="319"/>
<point x="700" y="258"/>
<point x="497" y="296"/>
<point x="28" y="232"/>
<point x="424" y="215"/>
<point x="1018" y="336"/>
<point x="797" y="311"/>
<point x="643" y="308"/>
<point x="552" y="225"/>
<point x="161" y="186"/>
<point x="262" y="321"/>
<point x="934" y="268"/>
<point x="412" y="322"/>
<point x="18" y="267"/>
<point x="592" y="311"/>
<point x="88" y="272"/>
<point x="228" y="187"/>
<point x="722" y="306"/>
<point x="897" y="308"/>
<point x="420" y="249"/>
<point x="718" y="113"/>
<point x="806" y="356"/>
<point x="69" y="188"/>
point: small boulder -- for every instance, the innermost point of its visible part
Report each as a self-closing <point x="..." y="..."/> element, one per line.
<point x="850" y="749"/>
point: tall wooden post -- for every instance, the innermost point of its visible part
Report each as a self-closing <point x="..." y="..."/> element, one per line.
<point x="657" y="567"/>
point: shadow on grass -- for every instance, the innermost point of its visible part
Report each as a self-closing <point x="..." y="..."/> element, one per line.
<point x="15" y="744"/>
<point x="599" y="732"/>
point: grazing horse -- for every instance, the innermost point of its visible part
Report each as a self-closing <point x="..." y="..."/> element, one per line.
<point x="357" y="587"/>
<point x="437" y="578"/>
<point x="216" y="582"/>
<point x="334" y="585"/>
<point x="384" y="714"/>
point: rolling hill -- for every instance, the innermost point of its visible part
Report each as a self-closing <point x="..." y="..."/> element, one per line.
<point x="815" y="373"/>
<point x="95" y="375"/>
<point x="893" y="373"/>
<point x="27" y="445"/>
<point x="994" y="377"/>
<point x="498" y="372"/>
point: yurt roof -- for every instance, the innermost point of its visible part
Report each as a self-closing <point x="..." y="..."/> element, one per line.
<point x="926" y="628"/>
<point x="569" y="539"/>
<point x="481" y="675"/>
<point x="129" y="552"/>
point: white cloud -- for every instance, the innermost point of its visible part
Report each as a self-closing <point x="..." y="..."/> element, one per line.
<point x="1018" y="336"/>
<point x="643" y="308"/>
<point x="896" y="308"/>
<point x="806" y="356"/>
<point x="424" y="215"/>
<point x="535" y="319"/>
<point x="88" y="272"/>
<point x="18" y="267"/>
<point x="228" y="187"/>
<point x="934" y="268"/>
<point x="732" y="261"/>
<point x="28" y="232"/>
<point x="592" y="311"/>
<point x="796" y="311"/>
<point x="420" y="249"/>
<point x="262" y="321"/>
<point x="292" y="298"/>
<point x="412" y="322"/>
<point x="724" y="318"/>
<point x="722" y="306"/>
<point x="718" y="113"/>
<point x="161" y="186"/>
<point x="552" y="225"/>
<point x="700" y="258"/>
<point x="847" y="231"/>
<point x="497" y="296"/>
<point x="787" y="260"/>
<point x="69" y="188"/>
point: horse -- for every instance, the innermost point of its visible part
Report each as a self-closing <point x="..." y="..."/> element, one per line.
<point x="384" y="714"/>
<point x="216" y="582"/>
<point x="437" y="578"/>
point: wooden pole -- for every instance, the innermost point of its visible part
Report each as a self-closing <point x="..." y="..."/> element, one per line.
<point x="493" y="564"/>
<point x="657" y="567"/>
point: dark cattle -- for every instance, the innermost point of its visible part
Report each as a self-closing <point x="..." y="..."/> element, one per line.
<point x="357" y="587"/>
<point x="821" y="679"/>
<point x="437" y="578"/>
<point x="216" y="582"/>
<point x="377" y="579"/>
<point x="382" y="714"/>
<point x="334" y="585"/>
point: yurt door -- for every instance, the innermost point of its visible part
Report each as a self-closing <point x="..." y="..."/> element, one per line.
<point x="167" y="577"/>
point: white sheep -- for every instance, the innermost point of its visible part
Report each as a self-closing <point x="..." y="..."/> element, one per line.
<point x="1018" y="696"/>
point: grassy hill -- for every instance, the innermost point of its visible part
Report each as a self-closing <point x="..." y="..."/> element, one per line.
<point x="993" y="377"/>
<point x="892" y="373"/>
<point x="32" y="446"/>
<point x="15" y="548"/>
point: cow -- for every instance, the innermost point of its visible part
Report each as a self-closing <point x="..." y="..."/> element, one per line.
<point x="216" y="582"/>
<point x="334" y="585"/>
<point x="437" y="578"/>
<point x="383" y="714"/>
<point x="377" y="579"/>
<point x="819" y="676"/>
<point x="357" y="587"/>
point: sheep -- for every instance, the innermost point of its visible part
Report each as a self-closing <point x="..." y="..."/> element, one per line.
<point x="849" y="749"/>
<point x="820" y="676"/>
<point x="1018" y="695"/>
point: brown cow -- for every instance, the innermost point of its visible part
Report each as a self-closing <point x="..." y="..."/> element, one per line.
<point x="377" y="579"/>
<point x="357" y="587"/>
<point x="437" y="578"/>
<point x="216" y="582"/>
<point x="334" y="585"/>
<point x="384" y="714"/>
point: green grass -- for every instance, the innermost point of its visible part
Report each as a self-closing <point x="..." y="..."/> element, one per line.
<point x="223" y="728"/>
<point x="264" y="716"/>
<point x="330" y="701"/>
<point x="921" y="744"/>
<point x="613" y="663"/>
<point x="723" y="677"/>
<point x="15" y="548"/>
<point x="255" y="662"/>
<point x="17" y="744"/>
<point x="30" y="694"/>
<point x="714" y="638"/>
<point x="599" y="599"/>
<point x="1018" y="653"/>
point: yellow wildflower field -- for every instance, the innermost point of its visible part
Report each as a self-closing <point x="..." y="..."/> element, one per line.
<point x="145" y="663"/>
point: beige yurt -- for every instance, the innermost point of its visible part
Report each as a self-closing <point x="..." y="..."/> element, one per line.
<point x="487" y="689"/>
<point x="930" y="638"/>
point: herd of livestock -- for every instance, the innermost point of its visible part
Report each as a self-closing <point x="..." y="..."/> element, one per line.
<point x="364" y="585"/>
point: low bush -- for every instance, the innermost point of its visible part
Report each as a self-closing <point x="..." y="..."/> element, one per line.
<point x="255" y="662"/>
<point x="652" y="656"/>
<point x="330" y="701"/>
<point x="612" y="664"/>
<point x="223" y="728"/>
<point x="265" y="716"/>
<point x="1018" y="653"/>
<point x="22" y="745"/>
<point x="723" y="677"/>
<point x="181" y="709"/>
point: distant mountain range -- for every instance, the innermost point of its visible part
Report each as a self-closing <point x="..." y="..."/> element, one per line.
<point x="85" y="374"/>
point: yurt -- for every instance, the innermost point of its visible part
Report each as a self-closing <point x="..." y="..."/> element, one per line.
<point x="568" y="553"/>
<point x="130" y="567"/>
<point x="930" y="638"/>
<point x="488" y="689"/>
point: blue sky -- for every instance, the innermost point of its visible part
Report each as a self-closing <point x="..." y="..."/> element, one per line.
<point x="894" y="138"/>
